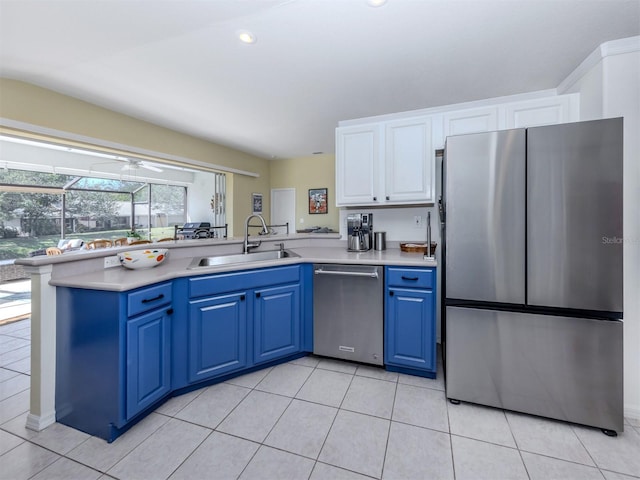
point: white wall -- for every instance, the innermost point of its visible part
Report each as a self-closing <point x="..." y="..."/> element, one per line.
<point x="621" y="97"/>
<point x="609" y="86"/>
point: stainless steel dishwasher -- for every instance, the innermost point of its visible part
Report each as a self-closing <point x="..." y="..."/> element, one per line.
<point x="348" y="312"/>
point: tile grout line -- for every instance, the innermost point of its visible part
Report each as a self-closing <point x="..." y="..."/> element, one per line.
<point x="571" y="426"/>
<point x="339" y="408"/>
<point x="386" y="446"/>
<point x="121" y="458"/>
<point x="190" y="454"/>
<point x="261" y="444"/>
<point x="453" y="463"/>
<point x="333" y="422"/>
<point x="60" y="455"/>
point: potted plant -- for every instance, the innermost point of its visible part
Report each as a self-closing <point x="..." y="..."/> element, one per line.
<point x="132" y="236"/>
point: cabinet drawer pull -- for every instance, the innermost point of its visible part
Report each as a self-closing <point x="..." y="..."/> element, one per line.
<point x="375" y="199"/>
<point x="170" y="311"/>
<point x="388" y="197"/>
<point x="391" y="293"/>
<point x="147" y="300"/>
<point x="413" y="279"/>
<point x="242" y="298"/>
<point x="257" y="294"/>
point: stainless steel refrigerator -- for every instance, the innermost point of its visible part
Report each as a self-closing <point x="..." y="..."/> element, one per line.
<point x="533" y="271"/>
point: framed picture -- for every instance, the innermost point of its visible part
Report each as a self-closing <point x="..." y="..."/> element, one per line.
<point x="256" y="201"/>
<point x="318" y="200"/>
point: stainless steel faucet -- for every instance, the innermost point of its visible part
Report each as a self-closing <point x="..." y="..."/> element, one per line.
<point x="248" y="246"/>
<point x="429" y="254"/>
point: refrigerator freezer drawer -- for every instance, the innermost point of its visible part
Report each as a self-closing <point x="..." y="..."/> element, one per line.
<point x="558" y="367"/>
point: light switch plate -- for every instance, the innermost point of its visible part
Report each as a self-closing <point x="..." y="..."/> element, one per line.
<point x="417" y="221"/>
<point x="110" y="262"/>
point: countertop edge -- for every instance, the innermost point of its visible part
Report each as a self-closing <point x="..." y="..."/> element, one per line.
<point x="119" y="279"/>
<point x="81" y="255"/>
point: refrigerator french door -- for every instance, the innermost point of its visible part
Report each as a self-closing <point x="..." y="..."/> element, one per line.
<point x="533" y="271"/>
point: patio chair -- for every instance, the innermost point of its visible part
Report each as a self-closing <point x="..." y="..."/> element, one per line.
<point x="140" y="242"/>
<point x="98" y="244"/>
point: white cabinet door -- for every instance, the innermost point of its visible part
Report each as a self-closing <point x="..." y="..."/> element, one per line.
<point x="409" y="161"/>
<point x="542" y="111"/>
<point x="357" y="165"/>
<point x="473" y="120"/>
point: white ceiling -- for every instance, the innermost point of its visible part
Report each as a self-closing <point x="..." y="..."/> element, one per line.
<point x="178" y="63"/>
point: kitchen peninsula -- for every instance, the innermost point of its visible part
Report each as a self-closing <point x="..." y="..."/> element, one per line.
<point x="73" y="288"/>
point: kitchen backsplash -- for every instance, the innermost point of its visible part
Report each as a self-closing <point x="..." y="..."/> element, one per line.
<point x="399" y="223"/>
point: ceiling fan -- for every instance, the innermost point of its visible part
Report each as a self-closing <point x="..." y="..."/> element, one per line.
<point x="134" y="164"/>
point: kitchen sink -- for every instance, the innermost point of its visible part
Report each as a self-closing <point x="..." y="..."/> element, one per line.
<point x="199" y="262"/>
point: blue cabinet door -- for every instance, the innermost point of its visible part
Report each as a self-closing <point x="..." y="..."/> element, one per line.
<point x="410" y="328"/>
<point x="217" y="336"/>
<point x="277" y="319"/>
<point x="148" y="360"/>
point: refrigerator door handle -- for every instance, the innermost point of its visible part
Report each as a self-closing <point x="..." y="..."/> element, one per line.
<point x="441" y="209"/>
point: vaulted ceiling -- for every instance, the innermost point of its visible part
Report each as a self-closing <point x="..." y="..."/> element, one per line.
<point x="180" y="64"/>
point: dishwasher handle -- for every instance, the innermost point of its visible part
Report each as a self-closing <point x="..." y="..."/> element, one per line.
<point x="319" y="271"/>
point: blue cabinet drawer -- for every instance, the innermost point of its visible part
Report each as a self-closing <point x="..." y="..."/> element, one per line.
<point x="149" y="298"/>
<point x="245" y="280"/>
<point x="411" y="277"/>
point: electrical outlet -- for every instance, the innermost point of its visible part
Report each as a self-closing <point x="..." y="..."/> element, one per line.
<point x="417" y="221"/>
<point x="110" y="262"/>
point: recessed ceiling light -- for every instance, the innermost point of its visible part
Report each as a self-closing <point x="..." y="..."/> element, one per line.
<point x="247" y="37"/>
<point x="376" y="3"/>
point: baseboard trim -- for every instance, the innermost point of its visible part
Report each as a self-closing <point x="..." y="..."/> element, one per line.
<point x="40" y="422"/>
<point x="632" y="411"/>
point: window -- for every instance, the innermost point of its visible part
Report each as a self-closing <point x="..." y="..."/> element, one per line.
<point x="38" y="208"/>
<point x="51" y="190"/>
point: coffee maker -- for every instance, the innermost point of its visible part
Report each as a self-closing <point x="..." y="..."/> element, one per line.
<point x="359" y="232"/>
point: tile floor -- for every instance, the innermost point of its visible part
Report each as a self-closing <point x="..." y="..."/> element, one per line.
<point x="312" y="419"/>
<point x="15" y="300"/>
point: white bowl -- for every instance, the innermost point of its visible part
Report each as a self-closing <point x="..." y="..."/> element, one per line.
<point x="146" y="258"/>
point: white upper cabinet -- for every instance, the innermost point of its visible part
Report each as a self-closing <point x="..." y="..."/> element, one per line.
<point x="409" y="161"/>
<point x="542" y="111"/>
<point x="392" y="161"/>
<point x="357" y="165"/>
<point x="387" y="163"/>
<point x="473" y="120"/>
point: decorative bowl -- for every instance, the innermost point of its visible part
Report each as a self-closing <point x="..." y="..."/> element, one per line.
<point x="136" y="259"/>
<point x="417" y="247"/>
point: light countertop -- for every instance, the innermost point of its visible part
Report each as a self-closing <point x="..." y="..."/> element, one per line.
<point x="121" y="279"/>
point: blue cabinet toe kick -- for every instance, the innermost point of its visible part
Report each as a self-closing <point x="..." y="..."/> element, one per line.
<point x="411" y="371"/>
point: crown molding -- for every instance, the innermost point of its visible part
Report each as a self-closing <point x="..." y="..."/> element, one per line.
<point x="485" y="102"/>
<point x="607" y="49"/>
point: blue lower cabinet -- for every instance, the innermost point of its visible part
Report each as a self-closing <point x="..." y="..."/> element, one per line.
<point x="113" y="356"/>
<point x="119" y="354"/>
<point x="148" y="360"/>
<point x="410" y="327"/>
<point x="217" y="336"/>
<point x="276" y="322"/>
